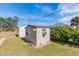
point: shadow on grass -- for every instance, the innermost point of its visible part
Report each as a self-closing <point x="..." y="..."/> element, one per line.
<point x="70" y="44"/>
<point x="28" y="42"/>
<point x="23" y="39"/>
<point x="16" y="35"/>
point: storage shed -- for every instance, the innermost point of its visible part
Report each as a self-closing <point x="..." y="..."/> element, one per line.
<point x="38" y="35"/>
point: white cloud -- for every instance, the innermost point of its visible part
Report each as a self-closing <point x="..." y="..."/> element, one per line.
<point x="47" y="9"/>
<point x="65" y="20"/>
<point x="67" y="13"/>
<point x="37" y="19"/>
<point x="44" y="8"/>
<point x="73" y="9"/>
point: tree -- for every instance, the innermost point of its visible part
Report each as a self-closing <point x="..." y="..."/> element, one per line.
<point x="16" y="20"/>
<point x="2" y="22"/>
<point x="9" y="23"/>
<point x="75" y="21"/>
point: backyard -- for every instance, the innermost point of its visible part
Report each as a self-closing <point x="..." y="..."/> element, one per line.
<point x="15" y="46"/>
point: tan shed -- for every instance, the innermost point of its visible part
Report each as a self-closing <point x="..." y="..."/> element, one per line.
<point x="38" y="35"/>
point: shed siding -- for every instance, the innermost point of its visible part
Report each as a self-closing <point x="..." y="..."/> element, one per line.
<point x="21" y="32"/>
<point x="42" y="40"/>
<point x="31" y="37"/>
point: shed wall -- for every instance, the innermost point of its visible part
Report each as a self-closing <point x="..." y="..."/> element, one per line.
<point x="21" y="32"/>
<point x="31" y="37"/>
<point x="42" y="40"/>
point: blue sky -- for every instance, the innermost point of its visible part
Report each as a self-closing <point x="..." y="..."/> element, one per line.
<point x="36" y="11"/>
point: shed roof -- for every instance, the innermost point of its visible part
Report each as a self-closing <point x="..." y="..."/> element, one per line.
<point x="34" y="26"/>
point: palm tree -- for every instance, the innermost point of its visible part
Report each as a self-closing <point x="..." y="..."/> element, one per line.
<point x="75" y="21"/>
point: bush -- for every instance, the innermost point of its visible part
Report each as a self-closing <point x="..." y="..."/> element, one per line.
<point x="75" y="36"/>
<point x="65" y="34"/>
<point x="60" y="33"/>
<point x="9" y="29"/>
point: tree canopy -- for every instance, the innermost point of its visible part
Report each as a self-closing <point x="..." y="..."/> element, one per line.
<point x="8" y="23"/>
<point x="75" y="21"/>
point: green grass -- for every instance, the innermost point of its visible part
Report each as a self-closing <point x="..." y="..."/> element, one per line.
<point x="15" y="46"/>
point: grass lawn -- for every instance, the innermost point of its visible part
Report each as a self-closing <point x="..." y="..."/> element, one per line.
<point x="15" y="46"/>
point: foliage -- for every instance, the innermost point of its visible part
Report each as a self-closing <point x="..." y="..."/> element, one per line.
<point x="60" y="33"/>
<point x="75" y="36"/>
<point x="65" y="34"/>
<point x="2" y="22"/>
<point x="75" y="21"/>
<point x="8" y="24"/>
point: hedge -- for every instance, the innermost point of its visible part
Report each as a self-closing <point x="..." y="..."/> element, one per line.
<point x="65" y="34"/>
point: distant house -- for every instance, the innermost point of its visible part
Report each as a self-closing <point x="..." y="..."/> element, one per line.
<point x="58" y="25"/>
<point x="37" y="35"/>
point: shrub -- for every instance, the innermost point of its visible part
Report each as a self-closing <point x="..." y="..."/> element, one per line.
<point x="60" y="34"/>
<point x="75" y="36"/>
<point x="65" y="34"/>
<point x="9" y="28"/>
<point x="55" y="35"/>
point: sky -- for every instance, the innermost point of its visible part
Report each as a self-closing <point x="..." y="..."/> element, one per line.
<point x="39" y="13"/>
